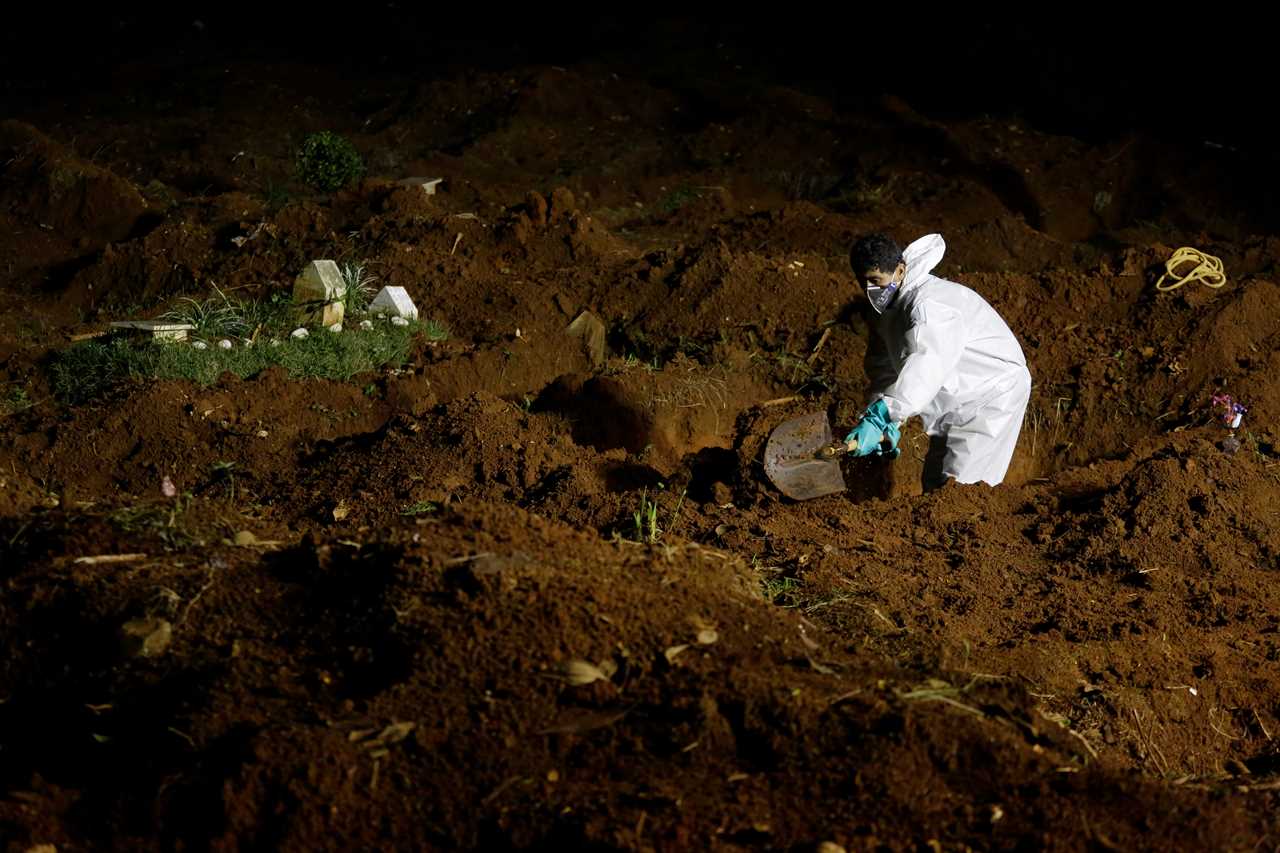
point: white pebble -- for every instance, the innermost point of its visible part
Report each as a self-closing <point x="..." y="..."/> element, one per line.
<point x="366" y="325"/>
<point x="199" y="345"/>
<point x="335" y="328"/>
<point x="300" y="334"/>
<point x="399" y="321"/>
<point x="275" y="342"/>
<point x="224" y="344"/>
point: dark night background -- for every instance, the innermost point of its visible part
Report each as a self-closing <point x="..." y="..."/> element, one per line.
<point x="1088" y="74"/>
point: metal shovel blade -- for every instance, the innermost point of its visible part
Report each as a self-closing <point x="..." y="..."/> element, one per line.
<point x="792" y="461"/>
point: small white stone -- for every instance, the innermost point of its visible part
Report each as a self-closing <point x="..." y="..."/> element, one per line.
<point x="199" y="345"/>
<point x="224" y="344"/>
<point x="300" y="333"/>
<point x="366" y="325"/>
<point x="335" y="328"/>
<point x="275" y="342"/>
<point x="399" y="321"/>
<point x="146" y="637"/>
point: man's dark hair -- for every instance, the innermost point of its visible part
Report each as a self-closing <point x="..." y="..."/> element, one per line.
<point x="875" y="252"/>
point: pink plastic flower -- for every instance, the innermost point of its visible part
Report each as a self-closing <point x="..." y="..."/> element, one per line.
<point x="1231" y="411"/>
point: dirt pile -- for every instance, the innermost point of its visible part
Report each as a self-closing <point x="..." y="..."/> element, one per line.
<point x="352" y="681"/>
<point x="55" y="189"/>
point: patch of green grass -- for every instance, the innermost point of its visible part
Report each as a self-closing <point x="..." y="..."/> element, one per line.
<point x="692" y="348"/>
<point x="631" y="361"/>
<point x="273" y="315"/>
<point x="677" y="199"/>
<point x="864" y="194"/>
<point x="420" y="508"/>
<point x="158" y="192"/>
<point x="88" y="370"/>
<point x="434" y="330"/>
<point x="165" y="520"/>
<point x="216" y="317"/>
<point x="357" y="289"/>
<point x="15" y="400"/>
<point x="646" y="519"/>
<point x="795" y="371"/>
<point x="781" y="590"/>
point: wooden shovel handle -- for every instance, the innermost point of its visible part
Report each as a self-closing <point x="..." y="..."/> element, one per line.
<point x="839" y="449"/>
<point x="834" y="450"/>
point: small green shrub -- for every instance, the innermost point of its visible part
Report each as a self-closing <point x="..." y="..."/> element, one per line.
<point x="328" y="162"/>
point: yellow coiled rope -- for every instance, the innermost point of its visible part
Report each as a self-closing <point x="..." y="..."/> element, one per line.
<point x="1208" y="270"/>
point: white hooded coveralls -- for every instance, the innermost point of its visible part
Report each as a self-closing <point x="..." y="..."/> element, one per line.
<point x="946" y="355"/>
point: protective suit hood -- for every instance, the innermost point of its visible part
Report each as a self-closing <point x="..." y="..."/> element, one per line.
<point x="920" y="259"/>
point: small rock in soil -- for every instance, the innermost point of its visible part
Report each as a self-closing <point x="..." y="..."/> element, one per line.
<point x="146" y="638"/>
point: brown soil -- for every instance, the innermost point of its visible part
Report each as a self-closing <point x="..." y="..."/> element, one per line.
<point x="1086" y="657"/>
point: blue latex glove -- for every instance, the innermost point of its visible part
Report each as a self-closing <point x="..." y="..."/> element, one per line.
<point x="873" y="430"/>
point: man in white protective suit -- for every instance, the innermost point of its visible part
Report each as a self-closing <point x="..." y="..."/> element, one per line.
<point x="941" y="352"/>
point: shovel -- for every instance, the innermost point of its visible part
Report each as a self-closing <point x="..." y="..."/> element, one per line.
<point x="803" y="460"/>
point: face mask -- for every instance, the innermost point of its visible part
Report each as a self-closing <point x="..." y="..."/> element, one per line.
<point x="881" y="296"/>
